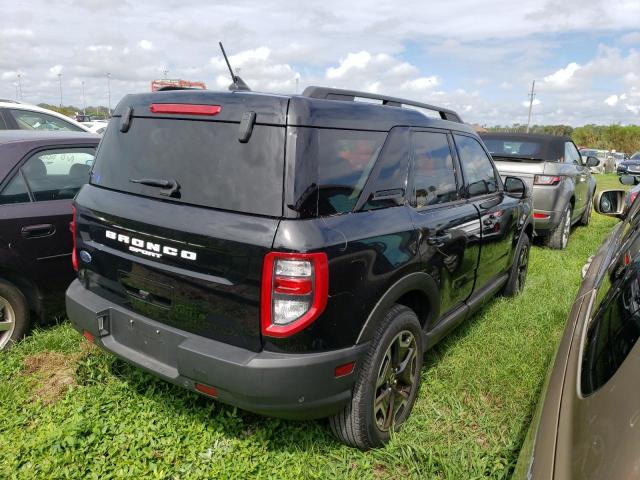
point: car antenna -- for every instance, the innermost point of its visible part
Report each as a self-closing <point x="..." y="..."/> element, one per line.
<point x="238" y="84"/>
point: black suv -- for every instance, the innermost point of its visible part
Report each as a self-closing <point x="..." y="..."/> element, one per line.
<point x="292" y="255"/>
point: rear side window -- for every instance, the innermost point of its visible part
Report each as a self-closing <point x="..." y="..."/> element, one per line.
<point x="28" y="120"/>
<point x="211" y="166"/>
<point x="434" y="177"/>
<point x="332" y="167"/>
<point x="15" y="191"/>
<point x="56" y="174"/>
<point x="479" y="174"/>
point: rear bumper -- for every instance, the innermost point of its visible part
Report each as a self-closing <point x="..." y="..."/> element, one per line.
<point x="543" y="226"/>
<point x="295" y="386"/>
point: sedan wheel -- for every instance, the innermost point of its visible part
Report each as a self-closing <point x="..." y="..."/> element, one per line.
<point x="7" y="322"/>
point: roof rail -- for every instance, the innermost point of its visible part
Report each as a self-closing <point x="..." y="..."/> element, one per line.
<point x="328" y="93"/>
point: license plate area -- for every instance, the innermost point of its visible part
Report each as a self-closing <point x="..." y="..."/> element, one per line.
<point x="144" y="337"/>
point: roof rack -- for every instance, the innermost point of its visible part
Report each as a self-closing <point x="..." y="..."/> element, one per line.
<point x="327" y="93"/>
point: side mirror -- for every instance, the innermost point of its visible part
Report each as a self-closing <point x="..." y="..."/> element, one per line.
<point x="611" y="203"/>
<point x="592" y="161"/>
<point x="629" y="180"/>
<point x="515" y="187"/>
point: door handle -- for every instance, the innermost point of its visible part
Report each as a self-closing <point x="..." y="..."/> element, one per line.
<point x="41" y="230"/>
<point x="439" y="240"/>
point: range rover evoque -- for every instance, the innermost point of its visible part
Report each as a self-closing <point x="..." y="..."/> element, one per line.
<point x="294" y="256"/>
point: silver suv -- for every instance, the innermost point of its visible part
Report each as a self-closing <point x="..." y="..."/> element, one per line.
<point x="559" y="176"/>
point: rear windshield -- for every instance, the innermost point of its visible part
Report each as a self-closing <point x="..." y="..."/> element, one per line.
<point x="499" y="147"/>
<point x="211" y="166"/>
<point x="332" y="167"/>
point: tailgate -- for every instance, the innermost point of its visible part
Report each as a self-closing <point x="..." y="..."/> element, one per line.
<point x="525" y="170"/>
<point x="194" y="268"/>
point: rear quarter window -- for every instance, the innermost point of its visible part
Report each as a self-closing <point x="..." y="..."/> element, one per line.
<point x="332" y="167"/>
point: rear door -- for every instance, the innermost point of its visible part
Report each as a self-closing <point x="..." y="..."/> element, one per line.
<point x="498" y="212"/>
<point x="191" y="256"/>
<point x="448" y="225"/>
<point x="35" y="211"/>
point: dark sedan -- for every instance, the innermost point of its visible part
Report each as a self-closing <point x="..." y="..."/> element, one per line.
<point x="587" y="424"/>
<point x="40" y="173"/>
<point x="631" y="166"/>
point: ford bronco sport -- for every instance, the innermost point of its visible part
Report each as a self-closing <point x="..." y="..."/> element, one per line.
<point x="294" y="256"/>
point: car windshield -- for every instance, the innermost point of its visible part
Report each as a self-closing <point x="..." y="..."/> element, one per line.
<point x="635" y="156"/>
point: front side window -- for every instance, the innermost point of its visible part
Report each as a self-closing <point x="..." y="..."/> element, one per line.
<point x="571" y="154"/>
<point x="477" y="168"/>
<point x="613" y="331"/>
<point x="58" y="174"/>
<point x="434" y="176"/>
<point x="28" y="120"/>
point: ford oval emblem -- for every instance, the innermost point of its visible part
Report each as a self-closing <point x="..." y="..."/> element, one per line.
<point x="85" y="256"/>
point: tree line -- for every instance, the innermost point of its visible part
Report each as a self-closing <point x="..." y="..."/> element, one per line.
<point x="70" y="110"/>
<point x="606" y="137"/>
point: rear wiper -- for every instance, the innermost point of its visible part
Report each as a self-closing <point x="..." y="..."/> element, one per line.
<point x="172" y="187"/>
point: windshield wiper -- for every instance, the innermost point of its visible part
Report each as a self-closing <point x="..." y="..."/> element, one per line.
<point x="172" y="186"/>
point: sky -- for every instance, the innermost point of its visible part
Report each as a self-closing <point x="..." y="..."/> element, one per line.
<point x="477" y="57"/>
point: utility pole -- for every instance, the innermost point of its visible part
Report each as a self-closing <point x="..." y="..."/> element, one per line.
<point x="16" y="85"/>
<point x="20" y="85"/>
<point x="60" y="85"/>
<point x="109" y="93"/>
<point x="531" y="96"/>
<point x="84" y="103"/>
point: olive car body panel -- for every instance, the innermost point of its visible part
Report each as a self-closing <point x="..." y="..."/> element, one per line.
<point x="552" y="167"/>
<point x="298" y="241"/>
<point x="586" y="423"/>
<point x="40" y="172"/>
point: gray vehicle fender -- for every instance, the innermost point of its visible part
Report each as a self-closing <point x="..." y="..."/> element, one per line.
<point x="417" y="281"/>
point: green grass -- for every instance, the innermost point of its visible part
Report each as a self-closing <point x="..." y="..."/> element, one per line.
<point x="480" y="386"/>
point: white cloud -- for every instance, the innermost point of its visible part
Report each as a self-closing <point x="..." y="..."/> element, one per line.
<point x="258" y="69"/>
<point x="55" y="70"/>
<point x="535" y="103"/>
<point x="145" y="45"/>
<point x="631" y="38"/>
<point x="612" y="100"/>
<point x="562" y="78"/>
<point x="353" y="61"/>
<point x="421" y="83"/>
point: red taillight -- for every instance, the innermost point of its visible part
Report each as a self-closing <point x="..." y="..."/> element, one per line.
<point x="540" y="216"/>
<point x="73" y="227"/>
<point x="295" y="287"/>
<point x="632" y="197"/>
<point x="185" y="108"/>
<point x="546" y="180"/>
<point x="207" y="390"/>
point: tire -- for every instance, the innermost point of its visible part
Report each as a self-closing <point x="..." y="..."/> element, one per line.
<point x="586" y="215"/>
<point x="559" y="237"/>
<point x="361" y="425"/>
<point x="14" y="315"/>
<point x="519" y="269"/>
